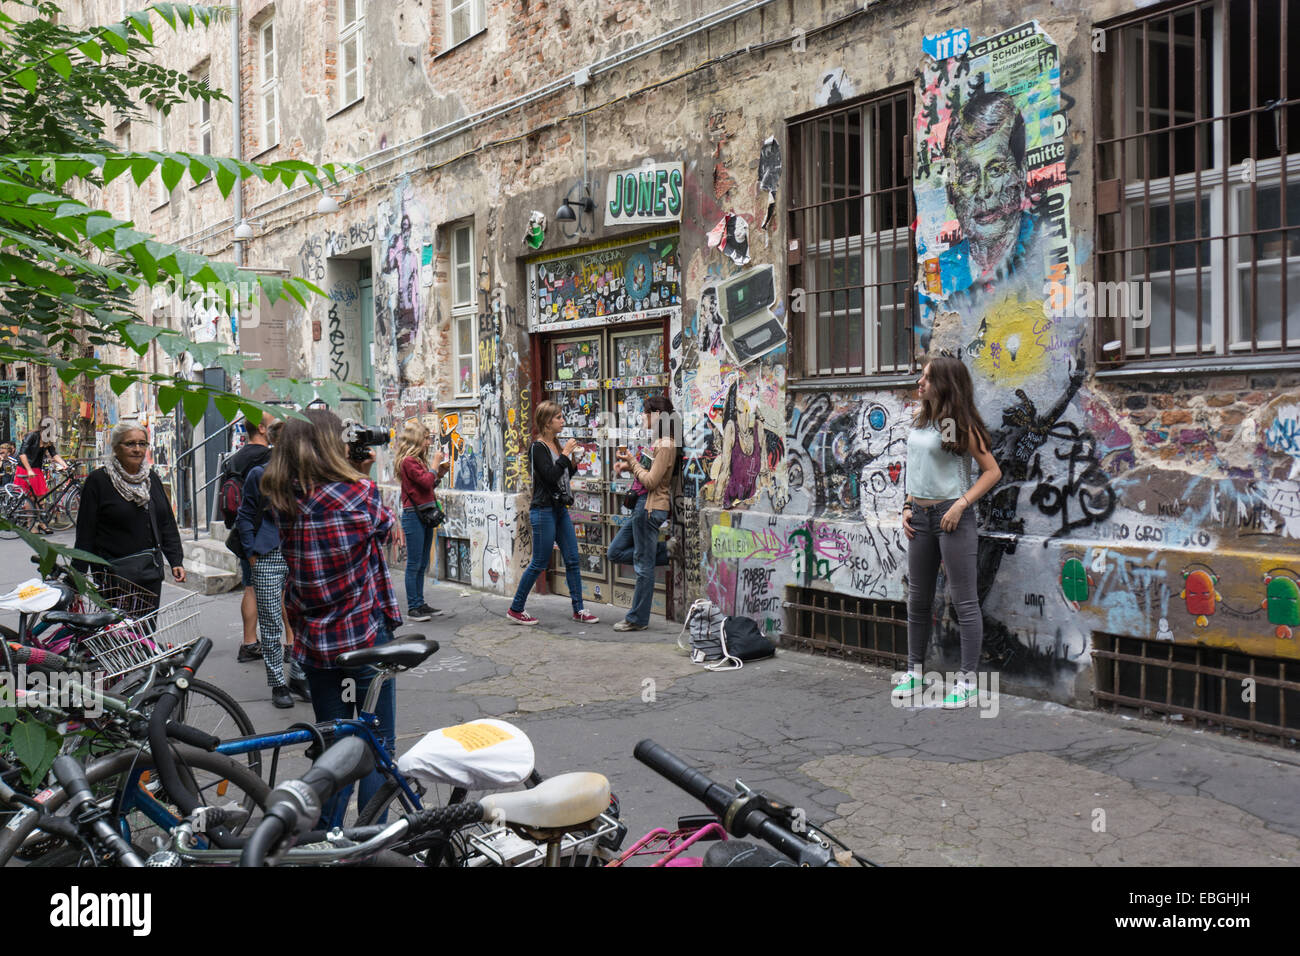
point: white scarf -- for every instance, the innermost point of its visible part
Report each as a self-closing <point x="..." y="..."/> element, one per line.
<point x="134" y="488"/>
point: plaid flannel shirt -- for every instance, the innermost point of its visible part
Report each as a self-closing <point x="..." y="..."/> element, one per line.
<point x="338" y="592"/>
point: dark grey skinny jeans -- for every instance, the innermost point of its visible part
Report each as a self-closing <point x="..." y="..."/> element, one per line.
<point x="958" y="550"/>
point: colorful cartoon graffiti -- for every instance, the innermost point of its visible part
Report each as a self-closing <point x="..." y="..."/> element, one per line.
<point x="605" y="280"/>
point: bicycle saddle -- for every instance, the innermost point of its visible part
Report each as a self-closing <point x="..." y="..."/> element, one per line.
<point x="37" y="595"/>
<point x="397" y="656"/>
<point x="565" y="802"/>
<point x="82" y="622"/>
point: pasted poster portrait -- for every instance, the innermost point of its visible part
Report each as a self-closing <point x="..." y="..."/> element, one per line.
<point x="992" y="203"/>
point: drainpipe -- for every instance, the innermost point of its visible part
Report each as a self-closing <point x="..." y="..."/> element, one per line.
<point x="237" y="124"/>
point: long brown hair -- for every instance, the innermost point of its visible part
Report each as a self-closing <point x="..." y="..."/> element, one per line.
<point x="951" y="398"/>
<point x="309" y="453"/>
<point x="542" y="417"/>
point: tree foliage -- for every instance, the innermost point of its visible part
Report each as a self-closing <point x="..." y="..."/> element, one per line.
<point x="69" y="270"/>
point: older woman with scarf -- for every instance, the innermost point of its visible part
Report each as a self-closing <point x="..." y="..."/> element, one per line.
<point x="126" y="518"/>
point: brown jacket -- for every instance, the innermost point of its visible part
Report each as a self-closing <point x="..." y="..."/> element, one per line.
<point x="658" y="479"/>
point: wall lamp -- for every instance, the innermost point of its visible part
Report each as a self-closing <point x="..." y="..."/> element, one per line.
<point x="588" y="205"/>
<point x="330" y="202"/>
<point x="244" y="230"/>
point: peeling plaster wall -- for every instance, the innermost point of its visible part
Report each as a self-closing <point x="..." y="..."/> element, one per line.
<point x="1116" y="492"/>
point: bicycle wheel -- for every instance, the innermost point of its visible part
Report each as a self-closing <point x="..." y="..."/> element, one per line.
<point x="63" y="515"/>
<point x="213" y="775"/>
<point x="208" y="708"/>
<point x="21" y="512"/>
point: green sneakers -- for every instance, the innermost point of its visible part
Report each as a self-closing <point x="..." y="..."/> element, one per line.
<point x="910" y="685"/>
<point x="961" y="695"/>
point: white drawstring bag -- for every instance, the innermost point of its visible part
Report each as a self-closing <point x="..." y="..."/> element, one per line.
<point x="708" y="643"/>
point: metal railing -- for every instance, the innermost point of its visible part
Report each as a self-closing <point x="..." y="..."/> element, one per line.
<point x="195" y="491"/>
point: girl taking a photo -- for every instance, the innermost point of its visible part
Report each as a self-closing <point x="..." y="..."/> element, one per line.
<point x="339" y="596"/>
<point x="939" y="521"/>
<point x="419" y="478"/>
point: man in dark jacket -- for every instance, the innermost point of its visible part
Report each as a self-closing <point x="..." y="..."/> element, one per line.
<point x="256" y="452"/>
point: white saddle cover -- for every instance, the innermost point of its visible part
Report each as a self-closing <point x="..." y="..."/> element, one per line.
<point x="483" y="755"/>
<point x="30" y="597"/>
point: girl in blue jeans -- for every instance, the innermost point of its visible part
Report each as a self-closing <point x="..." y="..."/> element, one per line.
<point x="551" y="467"/>
<point x="637" y="542"/>
<point x="419" y="479"/>
<point x="946" y="434"/>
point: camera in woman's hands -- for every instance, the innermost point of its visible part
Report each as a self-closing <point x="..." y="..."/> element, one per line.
<point x="562" y="498"/>
<point x="361" y="438"/>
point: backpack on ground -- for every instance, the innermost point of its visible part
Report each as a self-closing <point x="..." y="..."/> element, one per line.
<point x="705" y="623"/>
<point x="744" y="639"/>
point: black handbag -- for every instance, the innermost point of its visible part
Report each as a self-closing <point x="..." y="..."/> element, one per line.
<point x="430" y="514"/>
<point x="148" y="567"/>
<point x="629" y="500"/>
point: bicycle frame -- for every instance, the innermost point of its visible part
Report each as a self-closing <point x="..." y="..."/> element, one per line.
<point x="330" y="730"/>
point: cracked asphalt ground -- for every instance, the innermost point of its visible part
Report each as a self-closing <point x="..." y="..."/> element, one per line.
<point x="1037" y="784"/>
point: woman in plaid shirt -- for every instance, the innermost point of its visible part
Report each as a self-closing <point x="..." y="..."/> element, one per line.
<point x="339" y="595"/>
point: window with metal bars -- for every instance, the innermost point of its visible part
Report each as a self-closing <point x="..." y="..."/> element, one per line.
<point x="850" y="256"/>
<point x="863" y="629"/>
<point x="1201" y="684"/>
<point x="1198" y="179"/>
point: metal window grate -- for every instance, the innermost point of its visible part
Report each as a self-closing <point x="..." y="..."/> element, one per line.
<point x="1205" y="684"/>
<point x="862" y="629"/>
<point x="850" y="215"/>
<point x="1197" y="204"/>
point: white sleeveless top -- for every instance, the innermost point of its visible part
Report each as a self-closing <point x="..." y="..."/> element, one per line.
<point x="932" y="472"/>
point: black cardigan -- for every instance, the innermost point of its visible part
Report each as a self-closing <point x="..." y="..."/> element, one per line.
<point x="547" y="474"/>
<point x="112" y="527"/>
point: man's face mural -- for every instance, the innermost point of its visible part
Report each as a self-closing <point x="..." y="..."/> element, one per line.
<point x="986" y="187"/>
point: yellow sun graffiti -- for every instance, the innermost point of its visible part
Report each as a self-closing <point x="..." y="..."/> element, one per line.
<point x="1014" y="350"/>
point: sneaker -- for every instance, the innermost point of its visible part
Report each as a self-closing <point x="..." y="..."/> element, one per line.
<point x="910" y="684"/>
<point x="521" y="617"/>
<point x="417" y="614"/>
<point x="298" y="685"/>
<point x="961" y="696"/>
<point x="249" y="652"/>
<point x="585" y="617"/>
<point x="281" y="697"/>
<point x="628" y="626"/>
<point x="431" y="611"/>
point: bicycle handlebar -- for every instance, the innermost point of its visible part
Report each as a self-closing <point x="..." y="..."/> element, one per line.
<point x="72" y="777"/>
<point x="296" y="805"/>
<point x="741" y="814"/>
<point x="37" y="657"/>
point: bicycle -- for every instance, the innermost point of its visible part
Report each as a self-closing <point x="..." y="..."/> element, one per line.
<point x="56" y="510"/>
<point x="130" y="652"/>
<point x="129" y="783"/>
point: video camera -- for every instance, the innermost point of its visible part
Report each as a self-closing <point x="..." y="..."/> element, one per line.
<point x="361" y="438"/>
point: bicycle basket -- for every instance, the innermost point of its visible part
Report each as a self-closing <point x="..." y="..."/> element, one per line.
<point x="126" y="597"/>
<point x="137" y="643"/>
